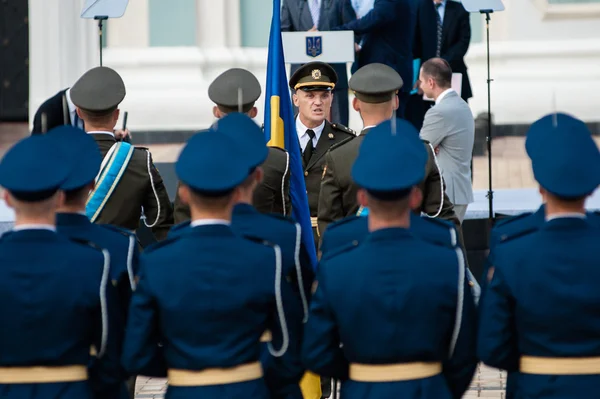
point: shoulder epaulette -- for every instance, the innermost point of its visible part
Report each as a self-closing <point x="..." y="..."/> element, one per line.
<point x="343" y="128"/>
<point x="279" y="216"/>
<point x="339" y="144"/>
<point x="258" y="240"/>
<point x="504" y="222"/>
<point x="163" y="243"/>
<point x="518" y="233"/>
<point x="340" y="250"/>
<point x="342" y="222"/>
<point x="86" y="243"/>
<point x="277" y="148"/>
<point x="118" y="229"/>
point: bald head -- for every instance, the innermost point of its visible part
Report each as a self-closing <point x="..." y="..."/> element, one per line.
<point x="439" y="70"/>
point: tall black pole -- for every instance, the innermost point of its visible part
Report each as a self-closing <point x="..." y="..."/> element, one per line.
<point x="100" y="19"/>
<point x="490" y="194"/>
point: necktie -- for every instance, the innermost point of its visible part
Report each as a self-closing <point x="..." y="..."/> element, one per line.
<point x="314" y="11"/>
<point x="439" y="29"/>
<point x="309" y="147"/>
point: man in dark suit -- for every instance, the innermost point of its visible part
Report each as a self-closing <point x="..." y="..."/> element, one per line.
<point x="304" y="15"/>
<point x="388" y="32"/>
<point x="451" y="43"/>
<point x="57" y="115"/>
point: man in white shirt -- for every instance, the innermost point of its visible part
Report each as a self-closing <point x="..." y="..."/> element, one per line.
<point x="449" y="127"/>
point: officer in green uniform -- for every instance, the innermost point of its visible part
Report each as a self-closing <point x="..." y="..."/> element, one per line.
<point x="129" y="183"/>
<point x="236" y="90"/>
<point x="312" y="85"/>
<point x="376" y="87"/>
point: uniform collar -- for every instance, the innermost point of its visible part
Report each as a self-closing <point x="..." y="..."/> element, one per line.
<point x="70" y="218"/>
<point x="301" y="128"/>
<point x="209" y="222"/>
<point x="102" y="132"/>
<point x="23" y="227"/>
<point x="244" y="208"/>
<point x="390" y="233"/>
<point x="566" y="215"/>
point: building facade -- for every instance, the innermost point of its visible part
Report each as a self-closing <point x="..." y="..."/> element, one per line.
<point x="545" y="55"/>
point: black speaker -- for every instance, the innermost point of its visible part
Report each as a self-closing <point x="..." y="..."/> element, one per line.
<point x="14" y="61"/>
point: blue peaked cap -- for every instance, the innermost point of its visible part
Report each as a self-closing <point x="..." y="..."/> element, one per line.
<point x="565" y="159"/>
<point x="246" y="134"/>
<point x="211" y="163"/>
<point x="80" y="151"/>
<point x="390" y="162"/>
<point x="31" y="171"/>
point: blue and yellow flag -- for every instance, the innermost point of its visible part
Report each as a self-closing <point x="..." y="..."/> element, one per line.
<point x="280" y="129"/>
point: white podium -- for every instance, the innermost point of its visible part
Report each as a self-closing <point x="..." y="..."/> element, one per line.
<point x="326" y="46"/>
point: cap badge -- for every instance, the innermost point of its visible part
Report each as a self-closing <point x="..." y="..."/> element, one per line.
<point x="316" y="74"/>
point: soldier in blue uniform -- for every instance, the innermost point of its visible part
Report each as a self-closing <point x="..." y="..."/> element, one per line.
<point x="354" y="229"/>
<point x="72" y="221"/>
<point x="219" y="293"/>
<point x="540" y="309"/>
<point x="56" y="299"/>
<point x="392" y="327"/>
<point x="274" y="228"/>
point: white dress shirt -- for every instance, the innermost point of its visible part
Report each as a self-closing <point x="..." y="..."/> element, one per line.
<point x="101" y="132"/>
<point x="304" y="137"/>
<point x="442" y="10"/>
<point x="442" y="95"/>
<point x="575" y="215"/>
<point x="48" y="227"/>
<point x="209" y="222"/>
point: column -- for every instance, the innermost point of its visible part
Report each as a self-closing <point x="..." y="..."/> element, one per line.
<point x="212" y="23"/>
<point x="233" y="23"/>
<point x="62" y="46"/>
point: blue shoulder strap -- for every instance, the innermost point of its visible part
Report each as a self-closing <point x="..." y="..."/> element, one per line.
<point x="113" y="166"/>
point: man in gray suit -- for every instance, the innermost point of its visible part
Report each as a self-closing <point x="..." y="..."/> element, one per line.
<point x="449" y="127"/>
<point x="323" y="15"/>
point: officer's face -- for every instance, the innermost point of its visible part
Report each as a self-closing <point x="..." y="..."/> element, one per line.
<point x="427" y="84"/>
<point x="313" y="106"/>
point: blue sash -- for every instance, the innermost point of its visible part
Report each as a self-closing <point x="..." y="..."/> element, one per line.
<point x="362" y="211"/>
<point x="113" y="167"/>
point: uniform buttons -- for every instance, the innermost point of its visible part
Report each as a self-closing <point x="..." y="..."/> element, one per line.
<point x="306" y="173"/>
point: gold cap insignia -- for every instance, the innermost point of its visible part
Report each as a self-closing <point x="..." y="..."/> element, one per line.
<point x="316" y="74"/>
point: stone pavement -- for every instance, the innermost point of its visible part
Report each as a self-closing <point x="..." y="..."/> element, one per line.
<point x="487" y="383"/>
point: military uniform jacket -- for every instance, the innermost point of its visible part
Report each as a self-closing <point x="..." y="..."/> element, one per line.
<point x="272" y="195"/>
<point x="338" y="191"/>
<point x="313" y="170"/>
<point x="52" y="305"/>
<point x="390" y="309"/>
<point x="121" y="245"/>
<point x="140" y="187"/>
<point x="210" y="307"/>
<point x="542" y="300"/>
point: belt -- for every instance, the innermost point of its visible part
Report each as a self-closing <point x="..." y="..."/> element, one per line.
<point x="560" y="366"/>
<point x="42" y="374"/>
<point x="215" y="376"/>
<point x="393" y="372"/>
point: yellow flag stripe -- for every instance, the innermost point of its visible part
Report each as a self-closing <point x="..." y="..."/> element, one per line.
<point x="277" y="131"/>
